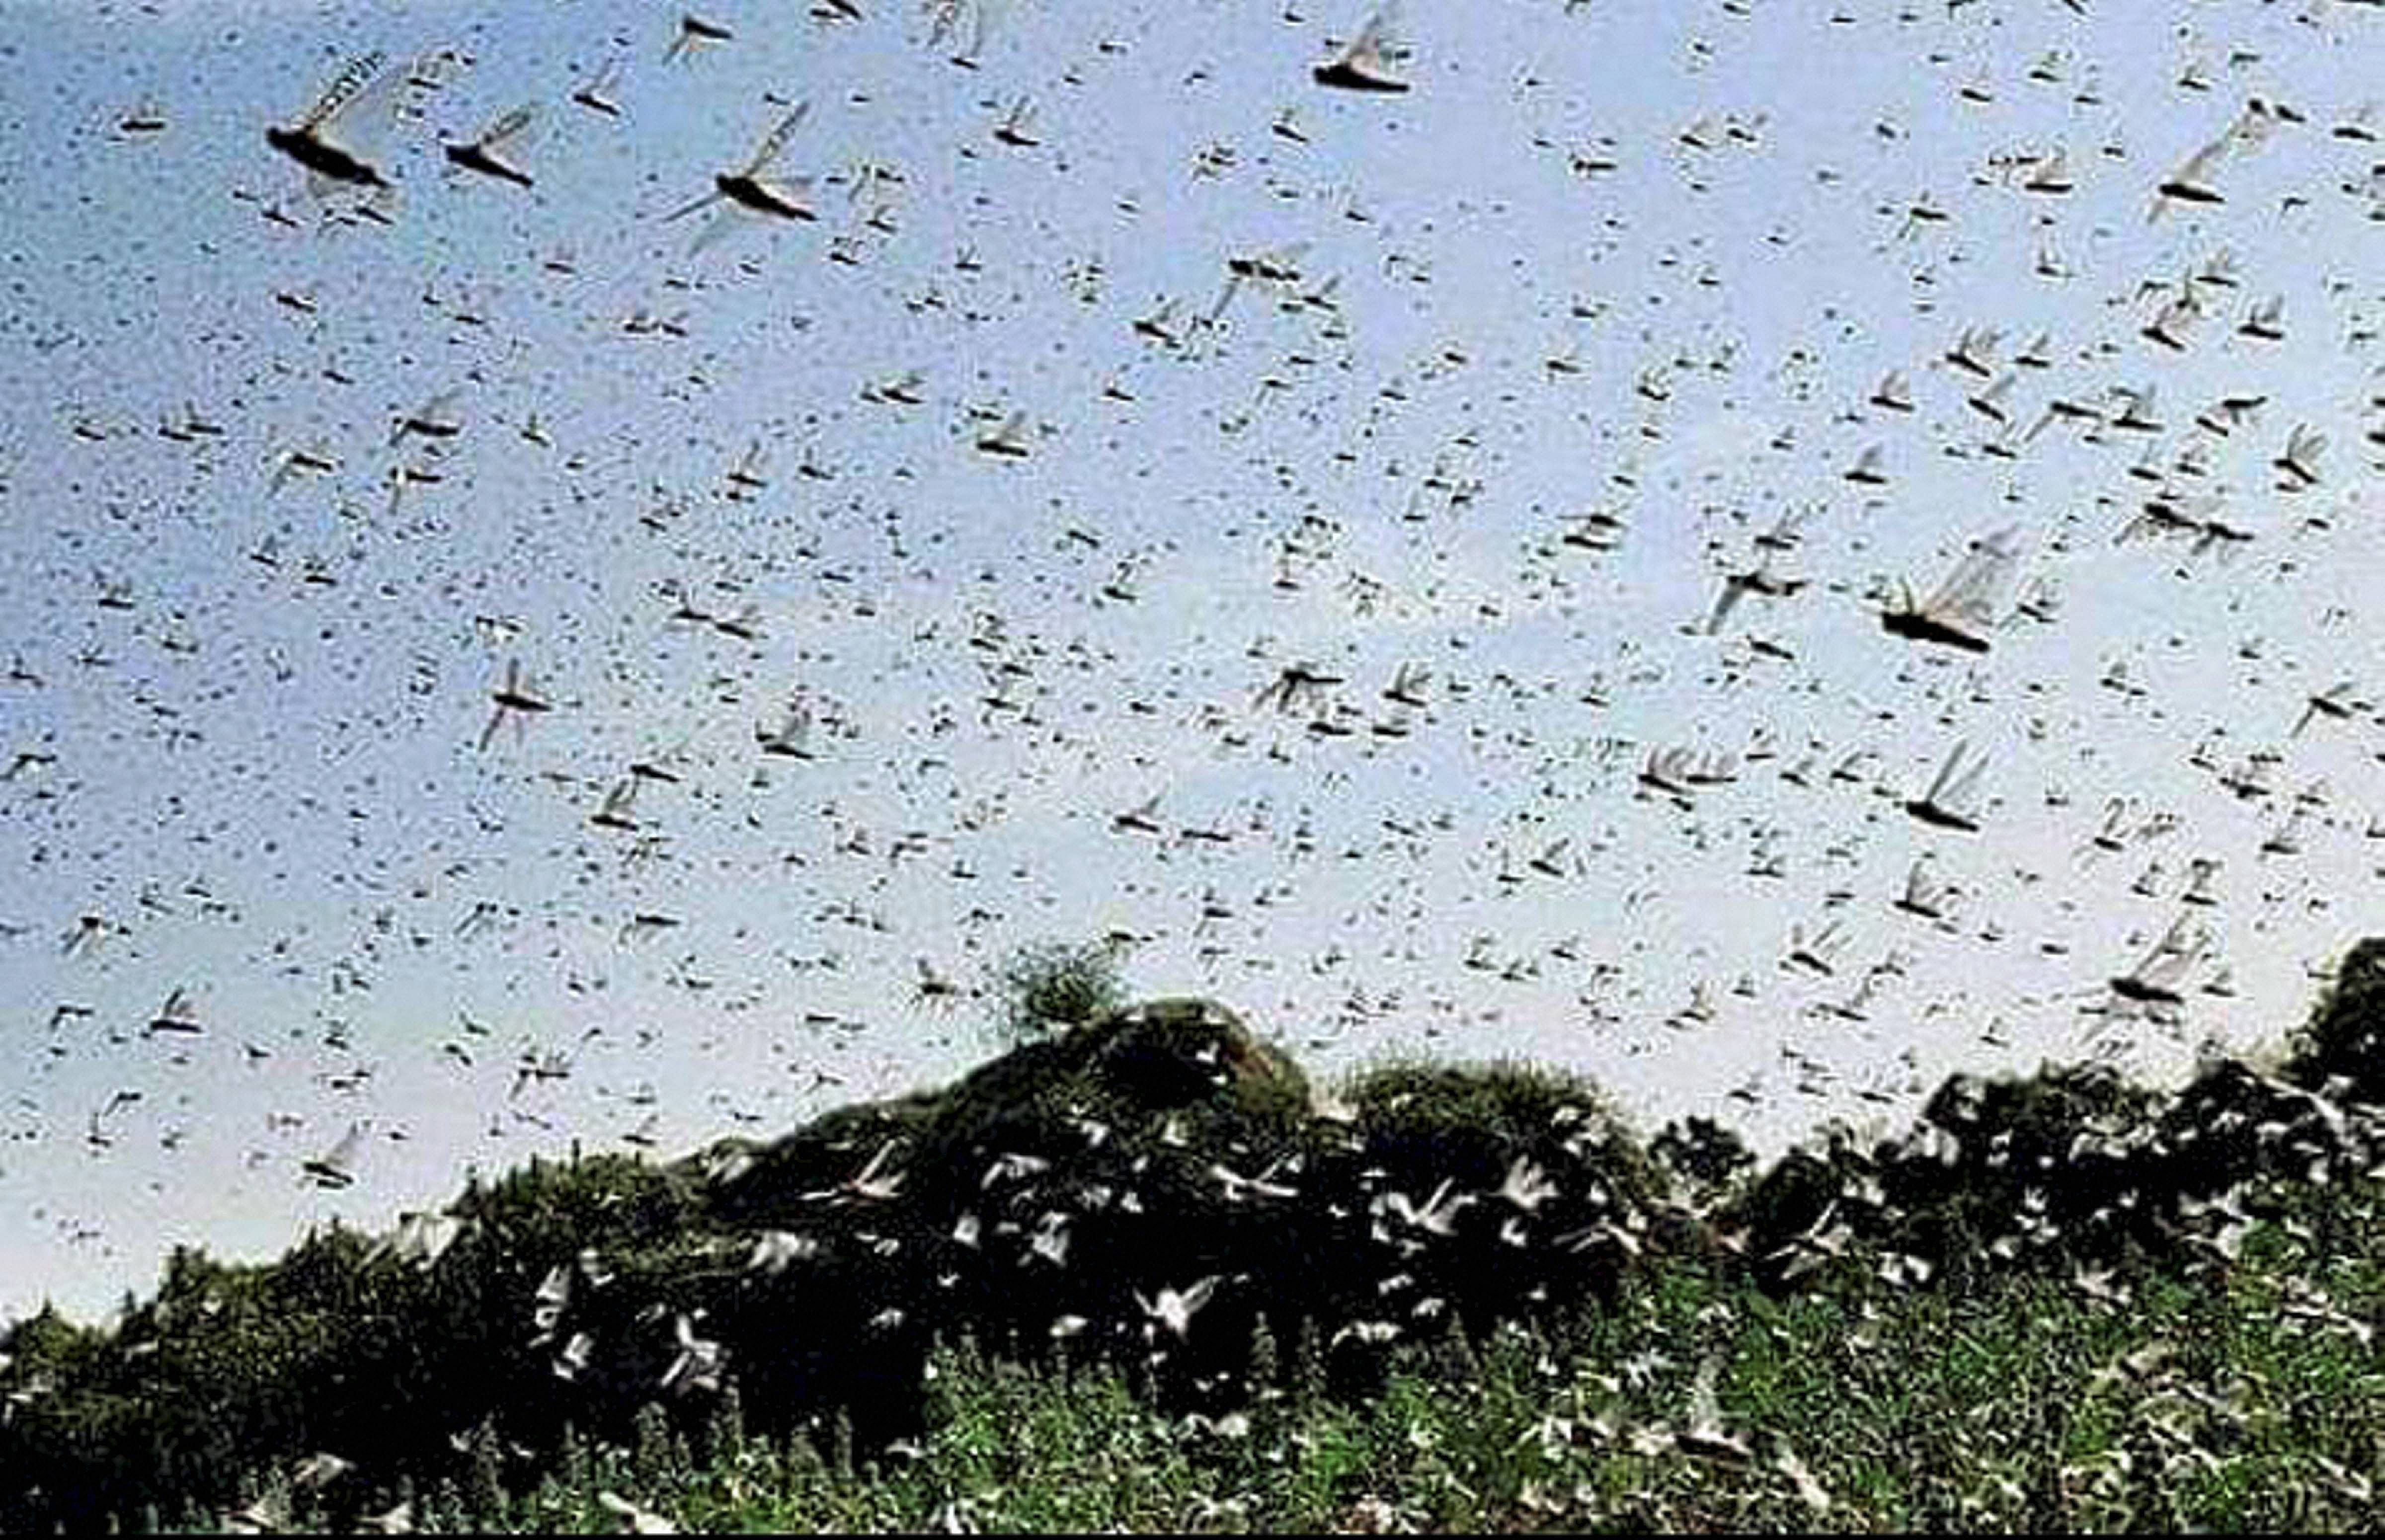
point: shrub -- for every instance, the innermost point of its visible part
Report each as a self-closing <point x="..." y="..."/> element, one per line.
<point x="1047" y="987"/>
<point x="2344" y="1039"/>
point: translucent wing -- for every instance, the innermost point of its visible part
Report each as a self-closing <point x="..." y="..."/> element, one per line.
<point x="683" y="210"/>
<point x="735" y="216"/>
<point x="1285" y="259"/>
<point x="2253" y="128"/>
<point x="1958" y="783"/>
<point x="1977" y="590"/>
<point x="435" y="418"/>
<point x="362" y="106"/>
<point x="1724" y="604"/>
<point x="775" y="139"/>
<point x="2173" y="956"/>
<point x="333" y="1169"/>
<point x="593" y="94"/>
<point x="439" y="412"/>
<point x="2191" y="180"/>
<point x="344" y="88"/>
<point x="722" y="223"/>
<point x="344" y="1153"/>
<point x="515" y="125"/>
<point x="1786" y="530"/>
<point x="1380" y="38"/>
<point x="946" y="25"/>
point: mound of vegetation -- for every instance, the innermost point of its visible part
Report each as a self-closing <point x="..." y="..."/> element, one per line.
<point x="1144" y="1196"/>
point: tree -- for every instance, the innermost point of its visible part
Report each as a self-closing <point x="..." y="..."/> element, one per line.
<point x="2345" y="1034"/>
<point x="1703" y="1150"/>
<point x="1045" y="988"/>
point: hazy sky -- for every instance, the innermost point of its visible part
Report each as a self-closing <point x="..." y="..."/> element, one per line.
<point x="1532" y="355"/>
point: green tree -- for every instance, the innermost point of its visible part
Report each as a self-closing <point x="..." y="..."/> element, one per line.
<point x="1044" y="989"/>
<point x="2344" y="1039"/>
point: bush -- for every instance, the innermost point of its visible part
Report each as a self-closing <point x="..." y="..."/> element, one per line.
<point x="1705" y="1152"/>
<point x="2344" y="1040"/>
<point x="1044" y="989"/>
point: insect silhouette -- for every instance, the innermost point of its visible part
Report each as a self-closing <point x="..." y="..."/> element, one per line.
<point x="515" y="696"/>
<point x="696" y="32"/>
<point x="357" y="89"/>
<point x="1364" y="62"/>
<point x="482" y="154"/>
<point x="174" y="1016"/>
<point x="1949" y="803"/>
<point x="752" y="189"/>
<point x="1961" y="610"/>
<point x="333" y="1169"/>
<point x="595" y="94"/>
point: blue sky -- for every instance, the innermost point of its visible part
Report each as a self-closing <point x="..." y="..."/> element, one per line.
<point x="245" y="714"/>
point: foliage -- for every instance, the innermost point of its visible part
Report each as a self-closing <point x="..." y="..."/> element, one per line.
<point x="1702" y="1152"/>
<point x="1456" y="1296"/>
<point x="2341" y="1050"/>
<point x="2025" y="1403"/>
<point x="1050" y="986"/>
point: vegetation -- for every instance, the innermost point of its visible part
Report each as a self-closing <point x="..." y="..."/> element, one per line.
<point x="1137" y="1273"/>
<point x="1050" y="986"/>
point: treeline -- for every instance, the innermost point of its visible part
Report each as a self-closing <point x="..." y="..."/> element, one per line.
<point x="1150" y="1188"/>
